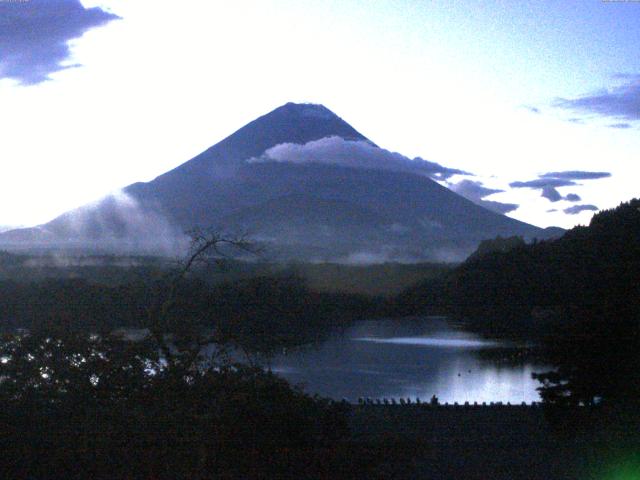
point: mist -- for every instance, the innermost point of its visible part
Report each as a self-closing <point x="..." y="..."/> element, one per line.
<point x="117" y="223"/>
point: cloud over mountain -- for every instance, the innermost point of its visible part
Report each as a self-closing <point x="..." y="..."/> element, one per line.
<point x="476" y="192"/>
<point x="335" y="150"/>
<point x="34" y="36"/>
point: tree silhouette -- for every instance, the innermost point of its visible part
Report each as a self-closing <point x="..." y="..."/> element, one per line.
<point x="81" y="402"/>
<point x="180" y="336"/>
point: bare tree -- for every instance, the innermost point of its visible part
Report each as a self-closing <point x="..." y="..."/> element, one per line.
<point x="180" y="342"/>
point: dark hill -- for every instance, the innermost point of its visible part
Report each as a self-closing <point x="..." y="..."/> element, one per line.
<point x="526" y="290"/>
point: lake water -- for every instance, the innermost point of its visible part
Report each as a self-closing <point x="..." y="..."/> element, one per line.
<point x="409" y="358"/>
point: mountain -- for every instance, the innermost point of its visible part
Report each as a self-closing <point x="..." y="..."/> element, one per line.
<point x="301" y="181"/>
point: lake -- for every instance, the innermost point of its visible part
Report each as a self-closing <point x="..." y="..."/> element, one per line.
<point x="417" y="357"/>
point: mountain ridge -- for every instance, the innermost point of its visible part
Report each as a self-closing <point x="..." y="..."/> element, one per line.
<point x="389" y="211"/>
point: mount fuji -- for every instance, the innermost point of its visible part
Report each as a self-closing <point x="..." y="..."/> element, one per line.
<point x="303" y="183"/>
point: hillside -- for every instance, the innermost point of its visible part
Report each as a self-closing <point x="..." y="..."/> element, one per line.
<point x="526" y="288"/>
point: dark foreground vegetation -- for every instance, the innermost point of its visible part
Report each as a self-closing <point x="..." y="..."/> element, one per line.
<point x="81" y="399"/>
<point x="258" y="314"/>
<point x="165" y="396"/>
<point x="579" y="296"/>
<point x="98" y="407"/>
<point x="92" y="406"/>
<point x="383" y="279"/>
<point x="499" y="442"/>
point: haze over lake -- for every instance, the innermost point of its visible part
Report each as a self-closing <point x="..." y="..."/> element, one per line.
<point x="402" y="358"/>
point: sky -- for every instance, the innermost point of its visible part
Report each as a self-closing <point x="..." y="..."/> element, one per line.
<point x="536" y="102"/>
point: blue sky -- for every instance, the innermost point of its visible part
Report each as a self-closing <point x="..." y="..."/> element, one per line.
<point x="539" y="100"/>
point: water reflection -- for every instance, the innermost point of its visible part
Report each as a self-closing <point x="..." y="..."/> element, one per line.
<point x="408" y="358"/>
<point x="432" y="342"/>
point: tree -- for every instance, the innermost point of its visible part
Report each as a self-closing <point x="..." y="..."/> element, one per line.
<point x="595" y="358"/>
<point x="180" y="337"/>
<point x="77" y="400"/>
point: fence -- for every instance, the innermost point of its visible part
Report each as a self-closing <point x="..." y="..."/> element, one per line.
<point x="434" y="403"/>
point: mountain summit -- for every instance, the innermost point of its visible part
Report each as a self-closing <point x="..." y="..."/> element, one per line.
<point x="291" y="123"/>
<point x="302" y="182"/>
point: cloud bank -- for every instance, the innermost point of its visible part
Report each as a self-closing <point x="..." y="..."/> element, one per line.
<point x="622" y="101"/>
<point x="476" y="192"/>
<point x="541" y="183"/>
<point x="548" y="183"/>
<point x="551" y="194"/>
<point x="573" y="197"/>
<point x="574" y="210"/>
<point x="547" y="186"/>
<point x="34" y="36"/>
<point x="576" y="175"/>
<point x="356" y="154"/>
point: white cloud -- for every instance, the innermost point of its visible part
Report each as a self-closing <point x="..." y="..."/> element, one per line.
<point x="355" y="154"/>
<point x="476" y="192"/>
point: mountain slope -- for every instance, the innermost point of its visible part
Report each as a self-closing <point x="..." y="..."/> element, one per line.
<point x="317" y="208"/>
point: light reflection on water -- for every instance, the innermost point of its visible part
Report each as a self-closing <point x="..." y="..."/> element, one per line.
<point x="433" y="342"/>
<point x="408" y="358"/>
